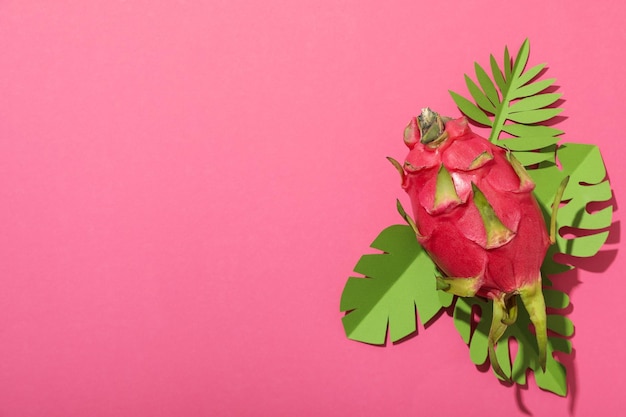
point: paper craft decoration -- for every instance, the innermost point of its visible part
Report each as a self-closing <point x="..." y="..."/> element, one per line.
<point x="517" y="104"/>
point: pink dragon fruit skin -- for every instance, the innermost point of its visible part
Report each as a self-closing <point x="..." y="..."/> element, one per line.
<point x="476" y="216"/>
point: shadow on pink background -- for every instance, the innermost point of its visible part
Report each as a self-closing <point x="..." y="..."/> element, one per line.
<point x="186" y="185"/>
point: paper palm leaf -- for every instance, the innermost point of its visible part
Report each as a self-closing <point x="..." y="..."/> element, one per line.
<point x="513" y="104"/>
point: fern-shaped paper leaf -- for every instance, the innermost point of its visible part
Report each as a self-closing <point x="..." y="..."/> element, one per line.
<point x="395" y="284"/>
<point x="509" y="98"/>
<point x="470" y="109"/>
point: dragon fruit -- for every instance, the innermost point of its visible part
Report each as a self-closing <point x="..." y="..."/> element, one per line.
<point x="476" y="216"/>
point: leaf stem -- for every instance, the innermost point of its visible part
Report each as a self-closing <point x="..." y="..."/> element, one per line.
<point x="502" y="111"/>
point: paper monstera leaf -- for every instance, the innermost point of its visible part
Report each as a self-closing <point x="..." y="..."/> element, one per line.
<point x="399" y="283"/>
<point x="518" y="105"/>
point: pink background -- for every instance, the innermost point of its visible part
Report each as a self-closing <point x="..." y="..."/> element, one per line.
<point x="186" y="185"/>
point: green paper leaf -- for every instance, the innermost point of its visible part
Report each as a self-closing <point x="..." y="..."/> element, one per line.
<point x="397" y="282"/>
<point x="470" y="109"/>
<point x="507" y="64"/>
<point x="532" y="158"/>
<point x="487" y="84"/>
<point x="556" y="299"/>
<point x="509" y="98"/>
<point x="532" y="131"/>
<point x="587" y="184"/>
<point x="534" y="102"/>
<point x="520" y="62"/>
<point x="534" y="116"/>
<point x="529" y="143"/>
<point x="497" y="73"/>
<point x="478" y="96"/>
<point x="530" y="74"/>
<point x="531" y="89"/>
<point x="561" y="325"/>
